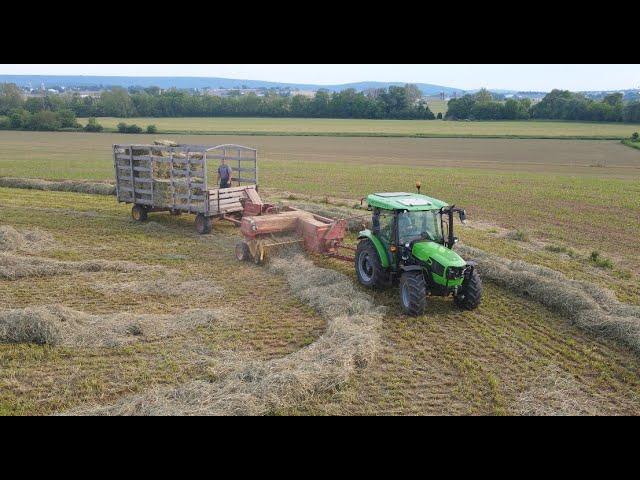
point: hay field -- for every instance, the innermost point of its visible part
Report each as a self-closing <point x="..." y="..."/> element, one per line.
<point x="364" y="127"/>
<point x="512" y="356"/>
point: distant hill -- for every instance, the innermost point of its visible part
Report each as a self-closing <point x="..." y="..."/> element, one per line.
<point x="200" y="82"/>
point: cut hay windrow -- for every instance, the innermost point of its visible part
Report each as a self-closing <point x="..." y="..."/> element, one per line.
<point x="586" y="305"/>
<point x="16" y="267"/>
<point x="164" y="287"/>
<point x="12" y="240"/>
<point x="95" y="188"/>
<point x="558" y="393"/>
<point x="60" y="326"/>
<point x="258" y="388"/>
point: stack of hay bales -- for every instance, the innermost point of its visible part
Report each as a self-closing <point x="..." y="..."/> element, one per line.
<point x="166" y="184"/>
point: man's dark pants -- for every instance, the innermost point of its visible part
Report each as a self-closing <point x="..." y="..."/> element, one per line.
<point x="224" y="184"/>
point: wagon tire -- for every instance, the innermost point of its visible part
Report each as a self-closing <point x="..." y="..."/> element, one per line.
<point x="470" y="293"/>
<point x="413" y="293"/>
<point x="204" y="224"/>
<point x="369" y="269"/>
<point x="243" y="254"/>
<point x="139" y="213"/>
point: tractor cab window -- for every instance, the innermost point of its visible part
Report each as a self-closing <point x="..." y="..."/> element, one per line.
<point x="386" y="227"/>
<point x="419" y="225"/>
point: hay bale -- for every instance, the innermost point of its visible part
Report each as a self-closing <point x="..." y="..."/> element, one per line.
<point x="58" y="325"/>
<point x="258" y="388"/>
<point x="165" y="143"/>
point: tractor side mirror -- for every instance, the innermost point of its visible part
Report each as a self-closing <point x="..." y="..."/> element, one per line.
<point x="463" y="217"/>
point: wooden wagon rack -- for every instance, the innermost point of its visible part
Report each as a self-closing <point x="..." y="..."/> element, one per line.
<point x="174" y="178"/>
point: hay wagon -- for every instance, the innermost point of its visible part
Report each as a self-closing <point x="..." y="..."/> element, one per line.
<point x="166" y="177"/>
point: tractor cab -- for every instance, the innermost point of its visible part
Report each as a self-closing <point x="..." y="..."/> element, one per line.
<point x="411" y="240"/>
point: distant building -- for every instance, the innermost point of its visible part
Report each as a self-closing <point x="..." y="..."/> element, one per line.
<point x="304" y="93"/>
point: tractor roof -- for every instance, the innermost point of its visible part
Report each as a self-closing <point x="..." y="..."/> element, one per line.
<point x="404" y="201"/>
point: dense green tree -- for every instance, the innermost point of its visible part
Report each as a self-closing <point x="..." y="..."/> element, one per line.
<point x="10" y="97"/>
<point x="483" y="96"/>
<point x="117" y="103"/>
<point x="45" y="120"/>
<point x="632" y="112"/>
<point x="67" y="119"/>
<point x="92" y="125"/>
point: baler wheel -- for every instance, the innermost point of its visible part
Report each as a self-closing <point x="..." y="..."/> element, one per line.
<point x="243" y="254"/>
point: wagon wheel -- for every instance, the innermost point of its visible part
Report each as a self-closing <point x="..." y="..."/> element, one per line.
<point x="139" y="213"/>
<point x="203" y="224"/>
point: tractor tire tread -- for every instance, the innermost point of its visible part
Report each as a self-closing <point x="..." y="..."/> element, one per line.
<point x="470" y="294"/>
<point x="381" y="278"/>
<point x="417" y="289"/>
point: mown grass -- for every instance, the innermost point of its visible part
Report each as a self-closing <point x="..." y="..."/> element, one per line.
<point x="364" y="127"/>
<point x="40" y="380"/>
<point x="447" y="362"/>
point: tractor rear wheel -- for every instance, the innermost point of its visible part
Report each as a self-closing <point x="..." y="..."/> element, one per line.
<point x="368" y="266"/>
<point x="203" y="224"/>
<point x="139" y="213"/>
<point x="413" y="293"/>
<point x="470" y="293"/>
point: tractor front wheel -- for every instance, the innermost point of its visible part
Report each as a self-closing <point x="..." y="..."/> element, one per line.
<point x="470" y="292"/>
<point x="203" y="224"/>
<point x="139" y="213"/>
<point x="413" y="293"/>
<point x="368" y="266"/>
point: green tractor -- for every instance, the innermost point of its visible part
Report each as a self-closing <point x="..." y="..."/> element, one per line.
<point x="411" y="240"/>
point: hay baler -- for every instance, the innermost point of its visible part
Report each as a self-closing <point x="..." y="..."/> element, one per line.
<point x="291" y="226"/>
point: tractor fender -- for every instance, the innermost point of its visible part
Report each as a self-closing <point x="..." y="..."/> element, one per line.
<point x="382" y="253"/>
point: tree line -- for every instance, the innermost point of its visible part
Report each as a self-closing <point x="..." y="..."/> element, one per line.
<point x="556" y="105"/>
<point x="54" y="112"/>
<point x="393" y="102"/>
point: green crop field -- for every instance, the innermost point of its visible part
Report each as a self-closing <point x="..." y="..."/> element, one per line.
<point x="547" y="202"/>
<point x="345" y="127"/>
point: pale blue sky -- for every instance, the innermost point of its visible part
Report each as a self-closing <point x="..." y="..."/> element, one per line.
<point x="464" y="76"/>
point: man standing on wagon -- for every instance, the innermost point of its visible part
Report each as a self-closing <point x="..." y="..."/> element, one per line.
<point x="224" y="174"/>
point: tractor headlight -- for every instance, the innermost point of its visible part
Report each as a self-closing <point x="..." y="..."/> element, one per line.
<point x="455" y="272"/>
